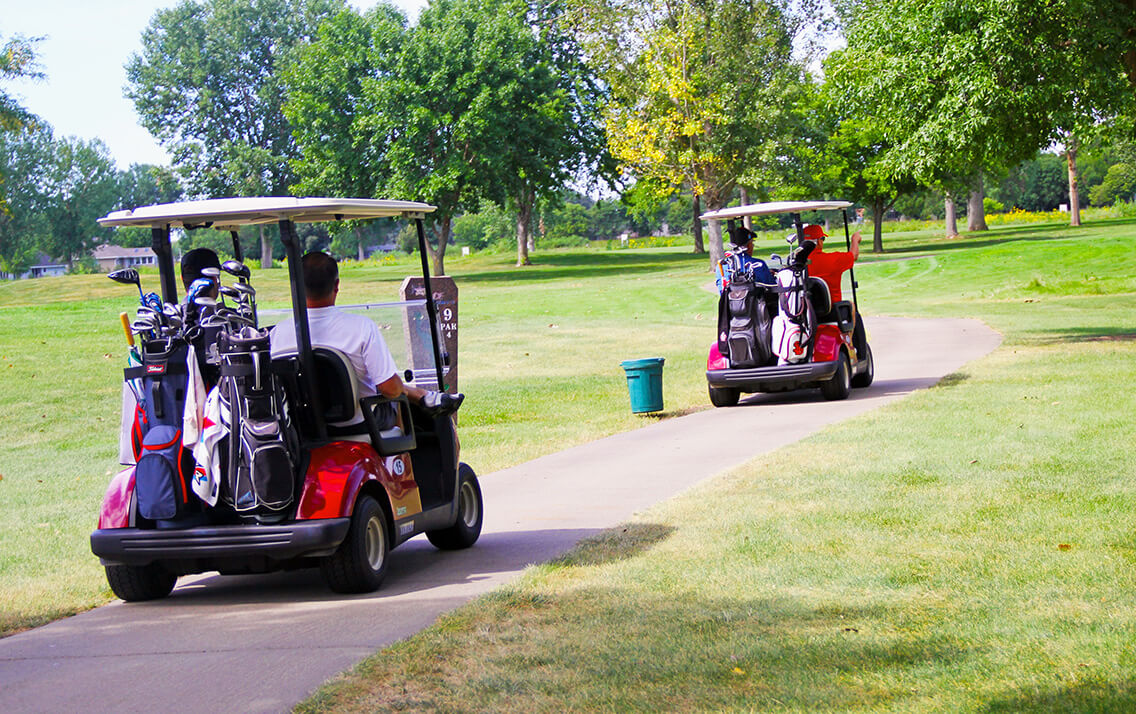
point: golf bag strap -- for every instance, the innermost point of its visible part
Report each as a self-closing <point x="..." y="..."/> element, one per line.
<point x="277" y="367"/>
<point x="141" y="371"/>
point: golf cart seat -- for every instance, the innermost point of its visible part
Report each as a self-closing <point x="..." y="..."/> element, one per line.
<point x="349" y="417"/>
<point x="820" y="297"/>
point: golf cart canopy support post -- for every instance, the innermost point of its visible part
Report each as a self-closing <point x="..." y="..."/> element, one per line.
<point x="300" y="318"/>
<point x="238" y="254"/>
<point x="160" y="242"/>
<point x="431" y="308"/>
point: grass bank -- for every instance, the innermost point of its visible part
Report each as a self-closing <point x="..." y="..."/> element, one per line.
<point x="970" y="548"/>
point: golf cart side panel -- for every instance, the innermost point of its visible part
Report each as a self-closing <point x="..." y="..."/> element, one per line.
<point x="779" y="378"/>
<point x="204" y="546"/>
<point x="338" y="471"/>
<point x="828" y="341"/>
<point x="115" y="510"/>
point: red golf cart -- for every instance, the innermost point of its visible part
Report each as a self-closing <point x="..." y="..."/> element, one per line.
<point x="789" y="334"/>
<point x="287" y="474"/>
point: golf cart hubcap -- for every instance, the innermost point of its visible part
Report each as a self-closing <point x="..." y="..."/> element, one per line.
<point x="468" y="504"/>
<point x="374" y="540"/>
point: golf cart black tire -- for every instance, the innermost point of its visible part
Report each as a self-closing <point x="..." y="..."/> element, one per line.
<point x="864" y="379"/>
<point x="840" y="386"/>
<point x="724" y="396"/>
<point x="136" y="583"/>
<point x="471" y="512"/>
<point x="360" y="563"/>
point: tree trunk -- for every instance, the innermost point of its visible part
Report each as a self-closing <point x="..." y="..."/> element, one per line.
<point x="698" y="247"/>
<point x="265" y="250"/>
<point x="439" y="253"/>
<point x="975" y="210"/>
<point x="951" y="219"/>
<point x="748" y="220"/>
<point x="714" y="228"/>
<point x="359" y="242"/>
<point x="1074" y="192"/>
<point x="879" y="207"/>
<point x="524" y="221"/>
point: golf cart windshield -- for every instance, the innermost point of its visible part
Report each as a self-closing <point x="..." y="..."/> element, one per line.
<point x="405" y="327"/>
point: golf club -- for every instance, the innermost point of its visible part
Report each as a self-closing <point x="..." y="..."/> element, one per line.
<point x="128" y="276"/>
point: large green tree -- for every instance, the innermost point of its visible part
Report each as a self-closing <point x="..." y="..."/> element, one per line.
<point x="25" y="158"/>
<point x="963" y="87"/>
<point x="207" y="85"/>
<point x="17" y="61"/>
<point x="80" y="186"/>
<point x="700" y="92"/>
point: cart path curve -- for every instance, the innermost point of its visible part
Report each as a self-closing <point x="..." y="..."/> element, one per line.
<point x="264" y="643"/>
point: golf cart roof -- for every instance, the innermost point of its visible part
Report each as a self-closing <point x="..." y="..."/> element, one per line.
<point x="228" y="213"/>
<point x="764" y="209"/>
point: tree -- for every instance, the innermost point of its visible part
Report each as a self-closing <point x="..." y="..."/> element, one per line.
<point x="17" y="61"/>
<point x="80" y="186"/>
<point x="207" y="85"/>
<point x="442" y="120"/>
<point x="698" y="92"/>
<point x="962" y="87"/>
<point x="25" y="158"/>
<point x="144" y="185"/>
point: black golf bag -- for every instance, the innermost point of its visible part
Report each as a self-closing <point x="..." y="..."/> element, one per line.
<point x="744" y="324"/>
<point x="262" y="448"/>
<point x="164" y="471"/>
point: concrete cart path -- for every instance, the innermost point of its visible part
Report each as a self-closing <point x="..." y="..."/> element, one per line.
<point x="263" y="643"/>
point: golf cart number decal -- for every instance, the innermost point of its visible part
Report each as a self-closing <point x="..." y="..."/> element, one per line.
<point x="398" y="467"/>
<point x="401" y="511"/>
<point x="155" y="369"/>
<point x="405" y="528"/>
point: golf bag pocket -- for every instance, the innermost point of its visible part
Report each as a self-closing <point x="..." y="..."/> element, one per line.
<point x="266" y="457"/>
<point x="788" y="341"/>
<point x="161" y="474"/>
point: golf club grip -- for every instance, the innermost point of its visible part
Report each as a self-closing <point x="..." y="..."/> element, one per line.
<point x="126" y="328"/>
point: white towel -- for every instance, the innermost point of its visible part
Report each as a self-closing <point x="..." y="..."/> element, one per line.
<point x="207" y="474"/>
<point x="194" y="411"/>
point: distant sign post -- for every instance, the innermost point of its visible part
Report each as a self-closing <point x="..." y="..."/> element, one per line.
<point x="446" y="301"/>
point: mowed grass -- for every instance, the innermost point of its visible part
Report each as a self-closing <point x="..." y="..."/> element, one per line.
<point x="970" y="548"/>
<point x="539" y="361"/>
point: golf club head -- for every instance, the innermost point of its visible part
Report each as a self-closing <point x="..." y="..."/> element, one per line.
<point x="203" y="301"/>
<point x="126" y="276"/>
<point x="245" y="288"/>
<point x="230" y="292"/>
<point x="213" y="273"/>
<point x="236" y="269"/>
<point x="171" y="310"/>
<point x="152" y="300"/>
<point x="198" y="288"/>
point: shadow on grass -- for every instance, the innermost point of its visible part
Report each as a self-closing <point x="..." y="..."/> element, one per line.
<point x="1092" y="696"/>
<point x="620" y="543"/>
<point x="999" y="236"/>
<point x="584" y="265"/>
<point x="1073" y="335"/>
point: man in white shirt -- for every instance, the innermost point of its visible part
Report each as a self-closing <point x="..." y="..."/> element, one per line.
<point x="354" y="335"/>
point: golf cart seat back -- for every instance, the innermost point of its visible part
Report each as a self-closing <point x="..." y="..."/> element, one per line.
<point x="350" y="417"/>
<point x="820" y="297"/>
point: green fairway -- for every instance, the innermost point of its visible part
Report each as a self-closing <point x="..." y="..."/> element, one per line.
<point x="971" y="548"/>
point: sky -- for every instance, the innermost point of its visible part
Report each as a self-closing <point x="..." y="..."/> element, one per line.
<point x="83" y="55"/>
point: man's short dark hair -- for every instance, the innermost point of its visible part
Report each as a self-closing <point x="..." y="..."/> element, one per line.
<point x="320" y="273"/>
<point x="196" y="260"/>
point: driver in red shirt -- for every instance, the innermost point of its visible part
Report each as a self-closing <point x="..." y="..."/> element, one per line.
<point x="830" y="267"/>
<point x="827" y="266"/>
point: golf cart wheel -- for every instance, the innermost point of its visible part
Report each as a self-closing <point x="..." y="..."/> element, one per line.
<point x="135" y="583"/>
<point x="841" y="383"/>
<point x="467" y="529"/>
<point x="864" y="379"/>
<point x="724" y="396"/>
<point x="360" y="562"/>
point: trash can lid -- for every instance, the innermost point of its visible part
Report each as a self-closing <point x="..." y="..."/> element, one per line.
<point x="642" y="363"/>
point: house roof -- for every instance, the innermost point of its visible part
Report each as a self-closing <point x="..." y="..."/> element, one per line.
<point x="104" y="252"/>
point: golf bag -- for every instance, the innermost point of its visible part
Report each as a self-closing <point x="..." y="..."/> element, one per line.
<point x="744" y="324"/>
<point x="262" y="446"/>
<point x="795" y="325"/>
<point x="164" y="466"/>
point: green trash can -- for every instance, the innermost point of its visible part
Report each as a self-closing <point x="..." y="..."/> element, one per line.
<point x="644" y="384"/>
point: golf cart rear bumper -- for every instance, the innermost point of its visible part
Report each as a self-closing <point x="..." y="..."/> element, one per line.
<point x="135" y="546"/>
<point x="772" y="379"/>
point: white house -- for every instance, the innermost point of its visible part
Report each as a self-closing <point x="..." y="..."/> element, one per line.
<point x="113" y="257"/>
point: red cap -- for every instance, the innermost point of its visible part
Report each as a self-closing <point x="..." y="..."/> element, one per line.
<point x="814" y="232"/>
